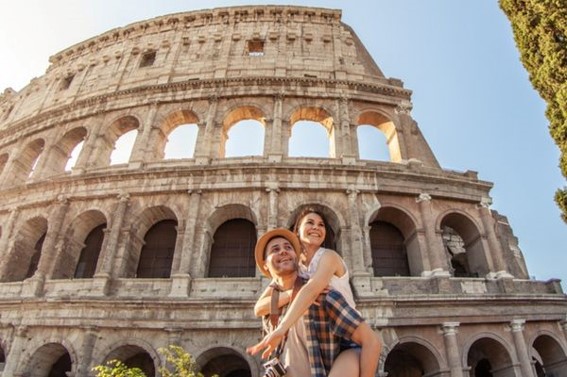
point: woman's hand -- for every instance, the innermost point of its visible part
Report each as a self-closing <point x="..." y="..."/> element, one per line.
<point x="269" y="344"/>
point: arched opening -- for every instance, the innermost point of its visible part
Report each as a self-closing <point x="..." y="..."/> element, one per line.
<point x="372" y="144"/>
<point x="223" y="362"/>
<point x="390" y="136"/>
<point x="389" y="256"/>
<point x="88" y="259"/>
<point x="134" y="357"/>
<point x="24" y="165"/>
<point x="34" y="260"/>
<point x="2" y="359"/>
<point x="463" y="245"/>
<point x="489" y="358"/>
<point x="455" y="247"/>
<point x="309" y="139"/>
<point x="232" y="251"/>
<point x="243" y="133"/>
<point x="245" y="138"/>
<point x="552" y="360"/>
<point x="312" y="133"/>
<point x="64" y="154"/>
<point x="123" y="148"/>
<point x="393" y="244"/>
<point x="50" y="360"/>
<point x="181" y="142"/>
<point x="156" y="256"/>
<point x="22" y="260"/>
<point x="411" y="360"/>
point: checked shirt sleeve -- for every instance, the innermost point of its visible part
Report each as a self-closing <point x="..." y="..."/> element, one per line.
<point x="327" y="324"/>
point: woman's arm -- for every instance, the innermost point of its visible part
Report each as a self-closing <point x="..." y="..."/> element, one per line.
<point x="262" y="306"/>
<point x="305" y="297"/>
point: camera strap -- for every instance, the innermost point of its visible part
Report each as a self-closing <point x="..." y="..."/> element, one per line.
<point x="275" y="311"/>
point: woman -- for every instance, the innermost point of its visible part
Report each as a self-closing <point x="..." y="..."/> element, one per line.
<point x="324" y="268"/>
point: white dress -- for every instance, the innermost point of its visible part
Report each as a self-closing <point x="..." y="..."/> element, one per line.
<point x="340" y="284"/>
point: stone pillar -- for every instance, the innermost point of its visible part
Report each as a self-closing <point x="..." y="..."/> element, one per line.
<point x="368" y="264"/>
<point x="86" y="352"/>
<point x="143" y="149"/>
<point x="274" y="140"/>
<point x="435" y="248"/>
<point x="517" y="327"/>
<point x="452" y="348"/>
<point x="50" y="245"/>
<point x="189" y="233"/>
<point x="204" y="148"/>
<point x="105" y="271"/>
<point x="181" y="278"/>
<point x="16" y="351"/>
<point x="6" y="236"/>
<point x="342" y="136"/>
<point x="273" y="191"/>
<point x="356" y="246"/>
<point x="495" y="252"/>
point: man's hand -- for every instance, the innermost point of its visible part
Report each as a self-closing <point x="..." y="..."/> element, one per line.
<point x="270" y="343"/>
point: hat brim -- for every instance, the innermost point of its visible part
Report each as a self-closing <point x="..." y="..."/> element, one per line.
<point x="263" y="241"/>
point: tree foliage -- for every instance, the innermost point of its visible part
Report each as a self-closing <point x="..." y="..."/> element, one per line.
<point x="116" y="368"/>
<point x="178" y="363"/>
<point x="540" y="32"/>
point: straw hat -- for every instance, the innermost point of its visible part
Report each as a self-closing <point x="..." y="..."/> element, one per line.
<point x="263" y="241"/>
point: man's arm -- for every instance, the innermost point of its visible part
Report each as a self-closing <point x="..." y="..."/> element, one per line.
<point x="262" y="306"/>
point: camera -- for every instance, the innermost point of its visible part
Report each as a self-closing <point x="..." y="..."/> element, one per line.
<point x="274" y="368"/>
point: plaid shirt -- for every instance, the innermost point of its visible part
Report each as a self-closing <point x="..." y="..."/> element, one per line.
<point x="329" y="321"/>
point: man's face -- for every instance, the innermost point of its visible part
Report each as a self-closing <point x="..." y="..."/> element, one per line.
<point x="281" y="258"/>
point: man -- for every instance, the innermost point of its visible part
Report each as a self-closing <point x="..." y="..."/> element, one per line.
<point x="312" y="346"/>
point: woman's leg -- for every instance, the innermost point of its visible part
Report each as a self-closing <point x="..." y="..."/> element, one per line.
<point x="347" y="364"/>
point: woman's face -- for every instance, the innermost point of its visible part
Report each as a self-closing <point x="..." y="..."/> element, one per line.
<point x="312" y="230"/>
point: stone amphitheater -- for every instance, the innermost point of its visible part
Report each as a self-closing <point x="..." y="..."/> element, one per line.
<point x="105" y="260"/>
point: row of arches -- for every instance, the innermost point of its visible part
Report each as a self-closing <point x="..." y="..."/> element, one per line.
<point x="182" y="134"/>
<point x="486" y="355"/>
<point x="152" y="247"/>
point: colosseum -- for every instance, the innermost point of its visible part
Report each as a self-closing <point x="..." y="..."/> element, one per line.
<point x="103" y="257"/>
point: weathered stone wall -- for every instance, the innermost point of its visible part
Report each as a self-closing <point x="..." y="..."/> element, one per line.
<point x="214" y="68"/>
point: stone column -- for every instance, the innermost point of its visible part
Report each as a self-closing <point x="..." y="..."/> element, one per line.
<point x="356" y="246"/>
<point x="16" y="351"/>
<point x="204" y="148"/>
<point x="273" y="191"/>
<point x="273" y="144"/>
<point x="142" y="150"/>
<point x="452" y="348"/>
<point x="368" y="264"/>
<point x="189" y="233"/>
<point x="86" y="352"/>
<point x="435" y="248"/>
<point x="50" y="245"/>
<point x="104" y="270"/>
<point x="181" y="278"/>
<point x="345" y="141"/>
<point x="495" y="254"/>
<point x="517" y="327"/>
<point x="6" y="236"/>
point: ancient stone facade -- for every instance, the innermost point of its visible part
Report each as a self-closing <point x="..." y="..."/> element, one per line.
<point x="115" y="260"/>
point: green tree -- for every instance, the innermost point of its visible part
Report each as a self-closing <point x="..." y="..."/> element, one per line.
<point x="116" y="368"/>
<point x="540" y="32"/>
<point x="180" y="360"/>
<point x="179" y="363"/>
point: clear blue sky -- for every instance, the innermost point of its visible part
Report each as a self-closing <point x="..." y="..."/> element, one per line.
<point x="471" y="96"/>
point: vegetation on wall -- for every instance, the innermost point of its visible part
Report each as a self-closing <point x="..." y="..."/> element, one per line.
<point x="540" y="31"/>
